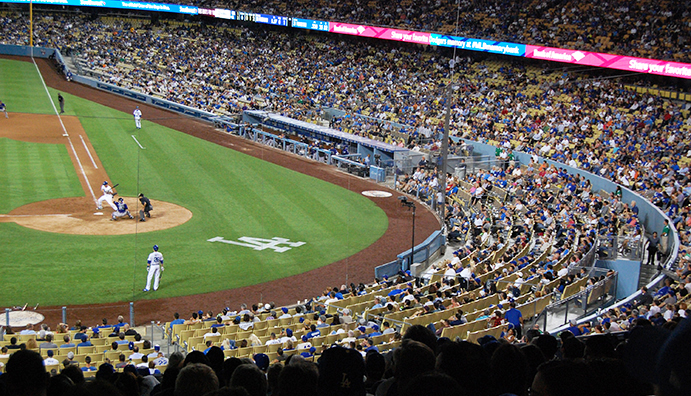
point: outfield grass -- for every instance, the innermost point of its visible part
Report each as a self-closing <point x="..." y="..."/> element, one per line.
<point x="15" y="78"/>
<point x="230" y="194"/>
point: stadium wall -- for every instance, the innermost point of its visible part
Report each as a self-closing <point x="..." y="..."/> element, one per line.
<point x="628" y="274"/>
<point x="25" y="50"/>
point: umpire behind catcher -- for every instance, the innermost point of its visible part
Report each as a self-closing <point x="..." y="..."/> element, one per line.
<point x="147" y="208"/>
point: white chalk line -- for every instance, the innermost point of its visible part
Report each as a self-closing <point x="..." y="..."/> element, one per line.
<point x="36" y="215"/>
<point x="88" y="152"/>
<point x="88" y="184"/>
<point x="137" y="141"/>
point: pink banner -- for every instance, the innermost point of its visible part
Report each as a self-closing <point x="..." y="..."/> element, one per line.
<point x="619" y="62"/>
<point x="380" y="33"/>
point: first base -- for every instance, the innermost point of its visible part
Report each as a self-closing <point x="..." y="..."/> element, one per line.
<point x="98" y="214"/>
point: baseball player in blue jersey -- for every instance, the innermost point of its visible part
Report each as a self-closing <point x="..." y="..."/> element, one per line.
<point x="121" y="211"/>
<point x="154" y="265"/>
<point x="3" y="108"/>
<point x="107" y="196"/>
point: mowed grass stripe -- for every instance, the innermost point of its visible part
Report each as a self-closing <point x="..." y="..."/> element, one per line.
<point x="46" y="158"/>
<point x="9" y="180"/>
<point x="35" y="172"/>
<point x="21" y="88"/>
<point x="61" y="173"/>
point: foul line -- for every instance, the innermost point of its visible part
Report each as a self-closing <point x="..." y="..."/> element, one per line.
<point x="37" y="215"/>
<point x="88" y="152"/>
<point x="86" y="179"/>
<point x="137" y="141"/>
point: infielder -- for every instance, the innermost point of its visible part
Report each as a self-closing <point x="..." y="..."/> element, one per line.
<point x="137" y="117"/>
<point x="122" y="210"/>
<point x="154" y="266"/>
<point x="107" y="196"/>
<point x="3" y="108"/>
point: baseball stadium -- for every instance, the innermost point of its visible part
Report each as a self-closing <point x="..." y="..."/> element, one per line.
<point x="390" y="198"/>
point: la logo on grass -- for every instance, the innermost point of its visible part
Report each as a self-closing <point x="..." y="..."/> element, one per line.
<point x="261" y="243"/>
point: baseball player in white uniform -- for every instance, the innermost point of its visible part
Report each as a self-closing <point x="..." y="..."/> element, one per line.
<point x="122" y="210"/>
<point x="137" y="117"/>
<point x="154" y="265"/>
<point x="107" y="196"/>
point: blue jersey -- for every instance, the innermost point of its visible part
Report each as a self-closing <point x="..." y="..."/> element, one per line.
<point x="122" y="207"/>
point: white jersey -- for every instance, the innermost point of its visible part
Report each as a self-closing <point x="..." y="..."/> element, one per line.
<point x="137" y="114"/>
<point x="107" y="189"/>
<point x="155" y="258"/>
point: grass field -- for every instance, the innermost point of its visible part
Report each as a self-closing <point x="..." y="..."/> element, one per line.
<point x="230" y="194"/>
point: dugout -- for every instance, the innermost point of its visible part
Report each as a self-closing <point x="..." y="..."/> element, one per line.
<point x="383" y="152"/>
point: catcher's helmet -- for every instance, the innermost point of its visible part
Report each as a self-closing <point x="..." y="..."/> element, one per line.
<point x="120" y="200"/>
<point x="156" y="248"/>
<point x="105" y="182"/>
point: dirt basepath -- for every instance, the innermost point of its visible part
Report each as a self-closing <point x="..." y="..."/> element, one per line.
<point x="356" y="268"/>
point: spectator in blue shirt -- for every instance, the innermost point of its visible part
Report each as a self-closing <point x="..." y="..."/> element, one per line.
<point x="515" y="317"/>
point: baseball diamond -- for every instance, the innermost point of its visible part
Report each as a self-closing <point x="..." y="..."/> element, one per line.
<point x="199" y="191"/>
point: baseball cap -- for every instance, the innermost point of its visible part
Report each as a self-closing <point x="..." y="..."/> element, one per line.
<point x="262" y="361"/>
<point x="70" y="355"/>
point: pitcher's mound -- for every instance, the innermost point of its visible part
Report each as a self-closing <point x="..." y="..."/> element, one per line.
<point x="78" y="216"/>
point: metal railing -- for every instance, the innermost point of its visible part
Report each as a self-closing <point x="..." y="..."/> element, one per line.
<point x="587" y="301"/>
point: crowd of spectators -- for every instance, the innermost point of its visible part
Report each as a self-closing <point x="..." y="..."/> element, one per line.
<point x="647" y="29"/>
<point x="633" y="139"/>
<point x="650" y="361"/>
<point x="596" y="124"/>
